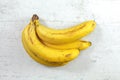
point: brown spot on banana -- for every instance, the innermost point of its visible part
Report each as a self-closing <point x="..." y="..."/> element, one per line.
<point x="67" y="55"/>
<point x="93" y="24"/>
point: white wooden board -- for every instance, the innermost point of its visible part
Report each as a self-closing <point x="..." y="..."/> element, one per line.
<point x="100" y="62"/>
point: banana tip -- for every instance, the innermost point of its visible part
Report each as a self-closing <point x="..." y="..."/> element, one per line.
<point x="90" y="43"/>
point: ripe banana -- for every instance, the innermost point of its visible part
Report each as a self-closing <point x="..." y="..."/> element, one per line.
<point x="46" y="53"/>
<point x="79" y="44"/>
<point x="37" y="59"/>
<point x="62" y="36"/>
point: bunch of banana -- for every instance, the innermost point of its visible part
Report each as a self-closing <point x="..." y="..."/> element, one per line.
<point x="53" y="47"/>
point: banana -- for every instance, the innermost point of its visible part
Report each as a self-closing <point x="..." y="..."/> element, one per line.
<point x="46" y="53"/>
<point x="37" y="59"/>
<point x="80" y="44"/>
<point x="62" y="36"/>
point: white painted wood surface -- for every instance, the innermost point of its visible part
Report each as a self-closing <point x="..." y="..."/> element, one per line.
<point x="100" y="62"/>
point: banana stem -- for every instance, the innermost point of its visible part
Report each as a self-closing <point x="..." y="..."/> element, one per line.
<point x="35" y="17"/>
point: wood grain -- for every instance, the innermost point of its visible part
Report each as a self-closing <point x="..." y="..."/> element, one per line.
<point x="100" y="62"/>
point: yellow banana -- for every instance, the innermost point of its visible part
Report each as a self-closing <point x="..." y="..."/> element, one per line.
<point x="44" y="52"/>
<point x="79" y="44"/>
<point x="37" y="59"/>
<point x="62" y="36"/>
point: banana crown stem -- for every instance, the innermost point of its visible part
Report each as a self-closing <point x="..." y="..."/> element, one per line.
<point x="35" y="17"/>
